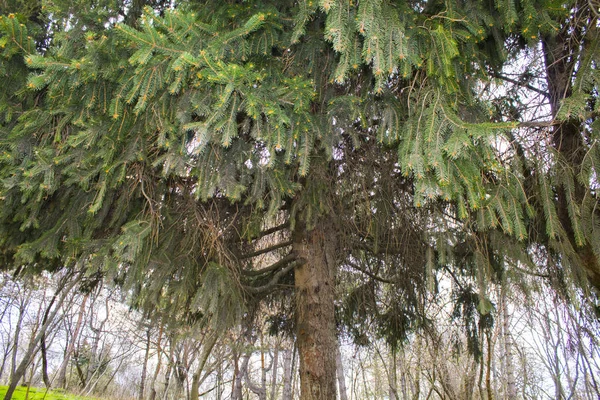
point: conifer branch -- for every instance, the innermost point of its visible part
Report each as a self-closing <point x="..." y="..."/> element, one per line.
<point x="522" y="84"/>
<point x="275" y="280"/>
<point x="369" y="273"/>
<point x="538" y="124"/>
<point x="454" y="278"/>
<point x="274" y="229"/>
<point x="524" y="271"/>
<point x="266" y="250"/>
<point x="273" y="267"/>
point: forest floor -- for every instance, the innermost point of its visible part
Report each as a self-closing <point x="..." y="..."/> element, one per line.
<point x="25" y="393"/>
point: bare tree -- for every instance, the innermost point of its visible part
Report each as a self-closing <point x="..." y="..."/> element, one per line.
<point x="64" y="286"/>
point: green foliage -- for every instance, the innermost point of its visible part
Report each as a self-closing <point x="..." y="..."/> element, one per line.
<point x="147" y="143"/>
<point x="475" y="313"/>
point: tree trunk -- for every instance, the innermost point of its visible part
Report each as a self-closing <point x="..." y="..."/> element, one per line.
<point x="158" y="363"/>
<point x="44" y="354"/>
<point x="315" y="317"/>
<point x="488" y="372"/>
<point x="392" y="373"/>
<point x="560" y="56"/>
<point x="31" y="350"/>
<point x="15" y="346"/>
<point x="511" y="387"/>
<point x="62" y="370"/>
<point x="6" y="348"/>
<point x="274" y="373"/>
<point x="211" y="340"/>
<point x="239" y="375"/>
<point x="287" y="374"/>
<point x="145" y="365"/>
<point x="43" y="348"/>
<point x="340" y="374"/>
<point x="170" y="366"/>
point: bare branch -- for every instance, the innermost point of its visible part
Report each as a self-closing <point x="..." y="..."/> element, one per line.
<point x="271" y="268"/>
<point x="266" y="250"/>
<point x="275" y="280"/>
<point x="369" y="273"/>
<point x="518" y="83"/>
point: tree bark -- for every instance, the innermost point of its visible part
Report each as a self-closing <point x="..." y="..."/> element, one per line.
<point x="315" y="317"/>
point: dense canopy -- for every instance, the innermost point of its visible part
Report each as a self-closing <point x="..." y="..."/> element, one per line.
<point x="210" y="155"/>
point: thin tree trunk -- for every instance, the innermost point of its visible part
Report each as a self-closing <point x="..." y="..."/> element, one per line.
<point x="4" y="358"/>
<point x="44" y="356"/>
<point x="62" y="370"/>
<point x="220" y="381"/>
<point x="145" y="365"/>
<point x="112" y="376"/>
<point x="260" y="391"/>
<point x="274" y="373"/>
<point x="511" y="387"/>
<point x="7" y="347"/>
<point x="43" y="349"/>
<point x="417" y="386"/>
<point x="169" y="367"/>
<point x="22" y="308"/>
<point x="82" y="377"/>
<point x="240" y="373"/>
<point x="488" y="371"/>
<point x="28" y="356"/>
<point x="287" y="374"/>
<point x="393" y="377"/>
<point x="315" y="316"/>
<point x="211" y="340"/>
<point x="158" y="364"/>
<point x="340" y="374"/>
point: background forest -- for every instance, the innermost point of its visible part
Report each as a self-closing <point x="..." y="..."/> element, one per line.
<point x="320" y="199"/>
<point x="539" y="348"/>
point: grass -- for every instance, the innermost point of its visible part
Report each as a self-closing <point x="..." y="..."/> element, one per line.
<point x="21" y="393"/>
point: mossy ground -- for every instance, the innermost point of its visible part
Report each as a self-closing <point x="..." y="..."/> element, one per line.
<point x="21" y="393"/>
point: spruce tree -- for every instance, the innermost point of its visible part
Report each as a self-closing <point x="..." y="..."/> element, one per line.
<point x="208" y="156"/>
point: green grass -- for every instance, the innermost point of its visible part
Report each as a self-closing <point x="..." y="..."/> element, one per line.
<point x="41" y="394"/>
